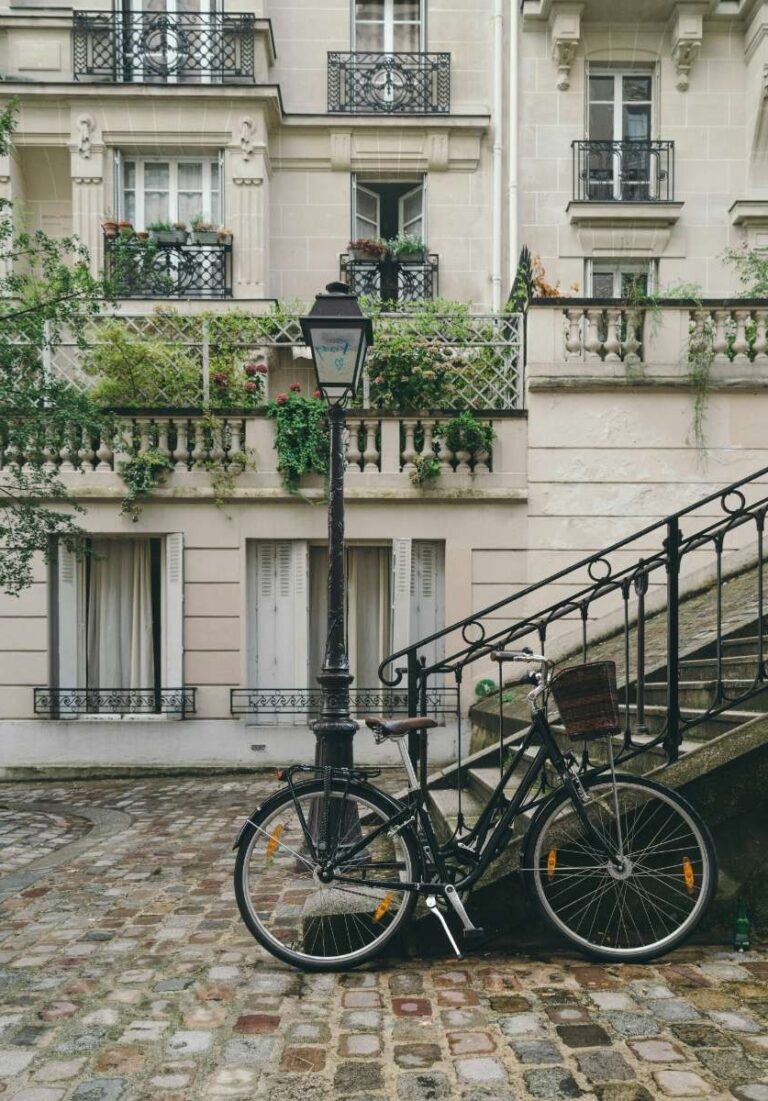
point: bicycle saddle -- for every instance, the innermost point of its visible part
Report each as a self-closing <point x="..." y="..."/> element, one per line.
<point x="395" y="728"/>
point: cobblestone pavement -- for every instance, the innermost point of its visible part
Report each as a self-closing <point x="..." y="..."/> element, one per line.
<point x="26" y="835"/>
<point x="125" y="975"/>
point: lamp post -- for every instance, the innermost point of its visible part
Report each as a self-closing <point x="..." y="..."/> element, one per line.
<point x="338" y="337"/>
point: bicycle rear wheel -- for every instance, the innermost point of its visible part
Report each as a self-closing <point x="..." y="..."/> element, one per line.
<point x="642" y="910"/>
<point x="311" y="924"/>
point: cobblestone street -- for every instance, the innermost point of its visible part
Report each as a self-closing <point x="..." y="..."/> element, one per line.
<point x="126" y="975"/>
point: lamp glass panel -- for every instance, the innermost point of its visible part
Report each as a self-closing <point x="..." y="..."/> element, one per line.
<point x="336" y="352"/>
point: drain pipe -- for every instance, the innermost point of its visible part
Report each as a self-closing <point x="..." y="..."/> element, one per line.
<point x="513" y="161"/>
<point x="498" y="150"/>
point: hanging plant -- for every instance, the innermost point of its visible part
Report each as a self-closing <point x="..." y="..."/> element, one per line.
<point x="142" y="473"/>
<point x="466" y="433"/>
<point x="426" y="469"/>
<point x="301" y="436"/>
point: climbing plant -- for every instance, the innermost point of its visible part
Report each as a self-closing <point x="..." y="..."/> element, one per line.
<point x="301" y="435"/>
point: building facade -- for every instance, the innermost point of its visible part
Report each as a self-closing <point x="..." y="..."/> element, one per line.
<point x="618" y="151"/>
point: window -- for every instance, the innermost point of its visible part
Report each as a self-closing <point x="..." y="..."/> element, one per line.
<point x="618" y="279"/>
<point x="384" y="208"/>
<point x="388" y="26"/>
<point x="619" y="125"/>
<point x="119" y="619"/>
<point x="170" y="190"/>
<point x="171" y="41"/>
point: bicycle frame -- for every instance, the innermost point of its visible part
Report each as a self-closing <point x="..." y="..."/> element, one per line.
<point x="484" y="841"/>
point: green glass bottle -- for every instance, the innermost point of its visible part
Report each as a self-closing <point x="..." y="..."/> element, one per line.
<point x="741" y="928"/>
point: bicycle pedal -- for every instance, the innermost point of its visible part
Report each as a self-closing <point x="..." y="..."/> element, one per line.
<point x="473" y="936"/>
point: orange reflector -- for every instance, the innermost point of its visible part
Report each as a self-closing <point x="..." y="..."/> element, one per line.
<point x="383" y="906"/>
<point x="551" y="863"/>
<point x="688" y="876"/>
<point x="279" y="775"/>
<point x="273" y="840"/>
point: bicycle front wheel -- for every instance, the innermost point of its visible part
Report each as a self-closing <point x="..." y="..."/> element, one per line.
<point x="646" y="907"/>
<point x="290" y="910"/>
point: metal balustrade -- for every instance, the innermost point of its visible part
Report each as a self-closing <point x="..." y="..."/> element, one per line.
<point x="400" y="281"/>
<point x="623" y="171"/>
<point x="159" y="47"/>
<point x="390" y="84"/>
<point x="139" y="268"/>
<point x="308" y="701"/>
<point x="62" y="703"/>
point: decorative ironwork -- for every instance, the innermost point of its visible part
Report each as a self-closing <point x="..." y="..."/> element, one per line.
<point x="624" y="171"/>
<point x="62" y="702"/>
<point x="617" y="580"/>
<point x="151" y="46"/>
<point x="137" y="268"/>
<point x="308" y="701"/>
<point x="390" y="84"/>
<point x="392" y="280"/>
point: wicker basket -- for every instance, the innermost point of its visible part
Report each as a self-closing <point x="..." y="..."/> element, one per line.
<point x="587" y="700"/>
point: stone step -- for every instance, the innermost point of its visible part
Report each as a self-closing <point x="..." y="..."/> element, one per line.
<point x="483" y="781"/>
<point x="733" y="665"/>
<point x="444" y="805"/>
<point x="699" y="694"/>
<point x="747" y="644"/>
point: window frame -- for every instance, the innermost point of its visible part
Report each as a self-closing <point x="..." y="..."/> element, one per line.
<point x="140" y="162"/>
<point x="618" y="268"/>
<point x="356" y="179"/>
<point x="389" y="27"/>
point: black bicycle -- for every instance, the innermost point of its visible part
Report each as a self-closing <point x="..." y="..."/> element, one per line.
<point x="330" y="868"/>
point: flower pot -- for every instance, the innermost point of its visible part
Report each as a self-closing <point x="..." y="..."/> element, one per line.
<point x="110" y="230"/>
<point x="359" y="255"/>
<point x="164" y="236"/>
<point x="225" y="238"/>
<point x="411" y="257"/>
<point x="205" y="237"/>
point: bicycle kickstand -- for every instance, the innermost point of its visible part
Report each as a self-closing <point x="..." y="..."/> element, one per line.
<point x="433" y="908"/>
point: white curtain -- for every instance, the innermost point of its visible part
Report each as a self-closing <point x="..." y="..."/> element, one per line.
<point x="119" y="638"/>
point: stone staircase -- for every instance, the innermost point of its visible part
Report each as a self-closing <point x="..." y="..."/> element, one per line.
<point x="722" y="766"/>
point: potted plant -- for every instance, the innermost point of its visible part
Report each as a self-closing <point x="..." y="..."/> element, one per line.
<point x="407" y="248"/>
<point x="367" y="248"/>
<point x="225" y="236"/>
<point x="181" y="232"/>
<point x="162" y="232"/>
<point x="203" y="233"/>
<point x="125" y="230"/>
<point x="142" y="234"/>
<point x="109" y="226"/>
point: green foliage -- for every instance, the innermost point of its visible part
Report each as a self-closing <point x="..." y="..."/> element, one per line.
<point x="426" y="469"/>
<point x="138" y="370"/>
<point x="410" y="374"/>
<point x="142" y="473"/>
<point x="523" y="288"/>
<point x="301" y="436"/>
<point x="45" y="290"/>
<point x="405" y="245"/>
<point x="465" y="432"/>
<point x="751" y="266"/>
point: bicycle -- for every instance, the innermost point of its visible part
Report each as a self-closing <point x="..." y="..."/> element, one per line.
<point x="330" y="869"/>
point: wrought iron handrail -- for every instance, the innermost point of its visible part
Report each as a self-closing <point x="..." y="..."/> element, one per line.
<point x="137" y="268"/>
<point x="146" y="47"/>
<point x="393" y="280"/>
<point x="61" y="702"/>
<point x="308" y="701"/>
<point x="623" y="171"/>
<point x="602" y="577"/>
<point x="390" y="84"/>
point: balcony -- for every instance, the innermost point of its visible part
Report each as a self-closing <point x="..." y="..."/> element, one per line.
<point x="304" y="704"/>
<point x="156" y="47"/>
<point x="138" y="268"/>
<point x="62" y="703"/>
<point x="623" y="171"/>
<point x="389" y="84"/>
<point x="392" y="280"/>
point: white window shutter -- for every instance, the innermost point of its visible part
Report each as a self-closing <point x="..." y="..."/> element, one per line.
<point x="427" y="596"/>
<point x="401" y="593"/>
<point x="71" y="633"/>
<point x="300" y="616"/>
<point x="281" y="637"/>
<point x="174" y="611"/>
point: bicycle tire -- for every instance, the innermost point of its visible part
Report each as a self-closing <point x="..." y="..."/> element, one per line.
<point x="280" y="810"/>
<point x="661" y="878"/>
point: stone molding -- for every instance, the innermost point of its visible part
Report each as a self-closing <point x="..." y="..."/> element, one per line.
<point x="687" y="35"/>
<point x="565" y="34"/>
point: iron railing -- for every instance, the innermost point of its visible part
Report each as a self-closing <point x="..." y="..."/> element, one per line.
<point x="389" y="84"/>
<point x="392" y="280"/>
<point x="624" y="171"/>
<point x="137" y="268"/>
<point x="152" y="47"/>
<point x="58" y="703"/>
<point x="628" y="580"/>
<point x="307" y="702"/>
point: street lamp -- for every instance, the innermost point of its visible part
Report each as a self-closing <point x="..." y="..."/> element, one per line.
<point x="338" y="337"/>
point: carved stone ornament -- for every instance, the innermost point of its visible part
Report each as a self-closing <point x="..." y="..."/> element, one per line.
<point x="687" y="33"/>
<point x="565" y="34"/>
<point x="683" y="55"/>
<point x="247" y="129"/>
<point x="85" y="127"/>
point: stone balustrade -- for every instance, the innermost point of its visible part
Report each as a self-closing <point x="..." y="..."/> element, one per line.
<point x="395" y="443"/>
<point x="612" y="333"/>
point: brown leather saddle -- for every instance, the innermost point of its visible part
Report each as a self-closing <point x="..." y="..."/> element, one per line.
<point x="396" y="728"/>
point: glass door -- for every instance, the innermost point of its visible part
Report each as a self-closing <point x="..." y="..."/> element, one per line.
<point x="172" y="41"/>
<point x="619" y="160"/>
<point x="388" y="26"/>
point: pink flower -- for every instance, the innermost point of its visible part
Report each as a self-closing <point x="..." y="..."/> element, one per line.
<point x="317" y="393"/>
<point x="262" y="369"/>
<point x="295" y="387"/>
<point x="251" y="369"/>
<point x="250" y="386"/>
<point x="220" y="378"/>
<point x="281" y="399"/>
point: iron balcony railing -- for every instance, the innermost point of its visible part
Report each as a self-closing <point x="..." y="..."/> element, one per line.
<point x="56" y="703"/>
<point x="307" y="702"/>
<point x="139" y="268"/>
<point x="612" y="585"/>
<point x="151" y="47"/>
<point x="390" y="84"/>
<point x="624" y="171"/>
<point x="392" y="280"/>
